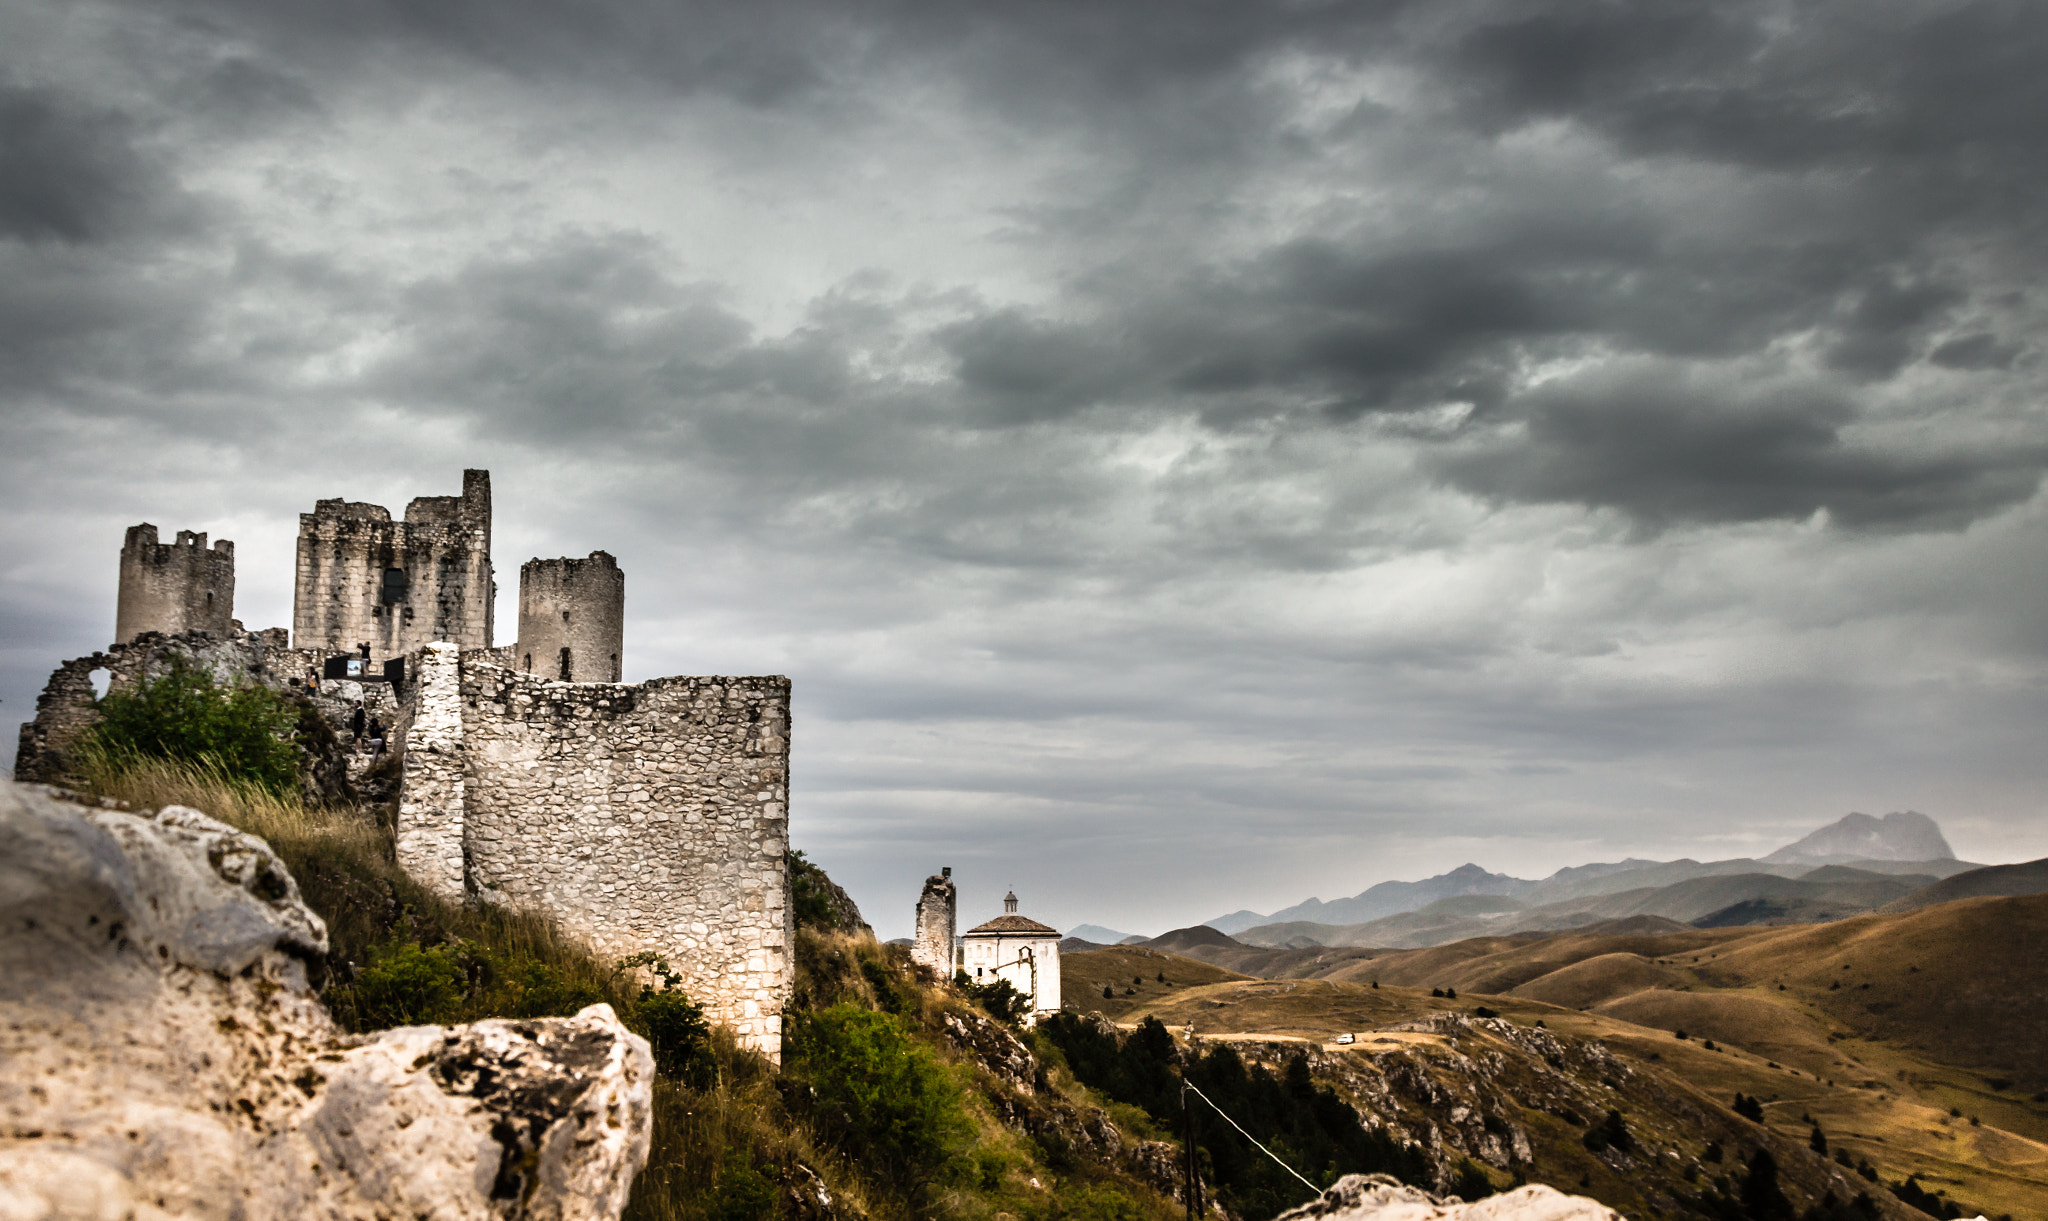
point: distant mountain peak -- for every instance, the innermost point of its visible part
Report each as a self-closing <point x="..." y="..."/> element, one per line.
<point x="1902" y="836"/>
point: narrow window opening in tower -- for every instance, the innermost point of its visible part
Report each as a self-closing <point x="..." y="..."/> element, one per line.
<point x="395" y="585"/>
<point x="565" y="663"/>
<point x="529" y="663"/>
<point x="209" y="599"/>
<point x="565" y="616"/>
<point x="615" y="667"/>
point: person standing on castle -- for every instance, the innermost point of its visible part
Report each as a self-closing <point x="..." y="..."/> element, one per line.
<point x="376" y="736"/>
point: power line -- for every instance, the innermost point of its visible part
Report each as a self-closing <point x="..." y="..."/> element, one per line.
<point x="1248" y="1136"/>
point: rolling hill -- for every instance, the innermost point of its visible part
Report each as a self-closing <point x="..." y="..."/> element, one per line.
<point x="2028" y="879"/>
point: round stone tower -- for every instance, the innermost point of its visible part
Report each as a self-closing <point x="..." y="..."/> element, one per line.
<point x="572" y="618"/>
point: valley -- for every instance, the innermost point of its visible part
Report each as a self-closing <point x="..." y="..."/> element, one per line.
<point x="1915" y="1039"/>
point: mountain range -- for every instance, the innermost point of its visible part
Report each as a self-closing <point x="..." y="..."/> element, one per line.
<point x="1856" y="864"/>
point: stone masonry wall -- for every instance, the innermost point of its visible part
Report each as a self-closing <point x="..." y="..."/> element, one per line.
<point x="645" y="817"/>
<point x="931" y="945"/>
<point x="572" y="613"/>
<point x="174" y="587"/>
<point x="342" y="595"/>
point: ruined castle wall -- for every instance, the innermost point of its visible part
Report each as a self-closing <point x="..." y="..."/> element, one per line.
<point x="931" y="945"/>
<point x="396" y="585"/>
<point x="645" y="817"/>
<point x="174" y="587"/>
<point x="66" y="708"/>
<point x="572" y="618"/>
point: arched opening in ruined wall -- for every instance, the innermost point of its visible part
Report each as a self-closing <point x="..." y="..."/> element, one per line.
<point x="100" y="679"/>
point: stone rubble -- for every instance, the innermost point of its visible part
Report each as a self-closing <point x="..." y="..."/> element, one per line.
<point x="1377" y="1197"/>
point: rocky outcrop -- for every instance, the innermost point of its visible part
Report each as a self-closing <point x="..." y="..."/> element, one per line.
<point x="1375" y="1197"/>
<point x="167" y="1056"/>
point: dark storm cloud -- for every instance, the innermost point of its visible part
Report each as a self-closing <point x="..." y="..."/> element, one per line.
<point x="1666" y="450"/>
<point x="70" y="172"/>
<point x="1119" y="417"/>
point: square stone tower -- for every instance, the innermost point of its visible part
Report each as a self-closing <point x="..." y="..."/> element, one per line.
<point x="174" y="587"/>
<point x="396" y="585"/>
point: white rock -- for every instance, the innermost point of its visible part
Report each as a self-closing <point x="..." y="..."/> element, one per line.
<point x="166" y="1058"/>
<point x="1376" y="1197"/>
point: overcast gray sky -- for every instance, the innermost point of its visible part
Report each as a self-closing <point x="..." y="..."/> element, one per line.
<point x="1187" y="455"/>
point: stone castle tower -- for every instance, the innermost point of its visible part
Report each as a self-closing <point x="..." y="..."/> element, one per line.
<point x="396" y="585"/>
<point x="174" y="587"/>
<point x="932" y="944"/>
<point x="572" y="619"/>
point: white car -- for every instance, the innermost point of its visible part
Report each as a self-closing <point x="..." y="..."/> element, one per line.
<point x="1347" y="1038"/>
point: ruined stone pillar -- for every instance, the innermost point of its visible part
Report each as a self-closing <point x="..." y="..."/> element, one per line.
<point x="932" y="944"/>
<point x="431" y="803"/>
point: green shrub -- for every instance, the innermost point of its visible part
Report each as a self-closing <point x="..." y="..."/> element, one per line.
<point x="673" y="1025"/>
<point x="1471" y="1183"/>
<point x="741" y="1192"/>
<point x="1096" y="1202"/>
<point x="882" y="1095"/>
<point x="244" y="731"/>
<point x="1001" y="1001"/>
<point x="1611" y="1132"/>
<point x="807" y="893"/>
<point x="405" y="984"/>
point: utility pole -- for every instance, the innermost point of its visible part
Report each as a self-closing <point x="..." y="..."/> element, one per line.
<point x="1193" y="1163"/>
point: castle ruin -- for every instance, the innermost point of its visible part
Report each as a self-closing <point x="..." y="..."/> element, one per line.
<point x="173" y="587"/>
<point x="645" y="817"/>
<point x="396" y="585"/>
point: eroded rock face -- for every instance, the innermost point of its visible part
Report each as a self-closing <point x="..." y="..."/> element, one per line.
<point x="166" y="1056"/>
<point x="1376" y="1197"/>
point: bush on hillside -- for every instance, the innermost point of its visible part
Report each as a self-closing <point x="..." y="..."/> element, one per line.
<point x="1610" y="1133"/>
<point x="243" y="731"/>
<point x="883" y="1097"/>
<point x="998" y="999"/>
<point x="1471" y="1183"/>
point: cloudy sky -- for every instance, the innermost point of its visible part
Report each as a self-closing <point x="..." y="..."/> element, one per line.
<point x="1188" y="455"/>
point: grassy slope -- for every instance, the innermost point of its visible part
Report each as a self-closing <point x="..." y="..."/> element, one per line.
<point x="726" y="1144"/>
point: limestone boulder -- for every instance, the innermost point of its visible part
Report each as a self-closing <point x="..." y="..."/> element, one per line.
<point x="1376" y="1197"/>
<point x="167" y="1056"/>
